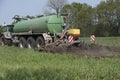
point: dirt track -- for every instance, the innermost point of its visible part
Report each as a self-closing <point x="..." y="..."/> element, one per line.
<point x="90" y="50"/>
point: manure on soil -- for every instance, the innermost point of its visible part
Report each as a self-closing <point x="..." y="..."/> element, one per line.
<point x="89" y="50"/>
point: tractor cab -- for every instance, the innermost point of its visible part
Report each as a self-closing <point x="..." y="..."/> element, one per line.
<point x="7" y="30"/>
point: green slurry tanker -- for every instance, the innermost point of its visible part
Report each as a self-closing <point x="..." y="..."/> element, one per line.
<point x="43" y="24"/>
<point x="38" y="32"/>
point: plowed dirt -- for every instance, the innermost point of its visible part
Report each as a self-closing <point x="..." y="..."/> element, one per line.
<point x="93" y="50"/>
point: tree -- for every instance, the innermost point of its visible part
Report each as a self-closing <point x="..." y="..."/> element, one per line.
<point x="56" y="4"/>
<point x="80" y="16"/>
<point x="47" y="10"/>
<point x="0" y="29"/>
<point x="109" y="16"/>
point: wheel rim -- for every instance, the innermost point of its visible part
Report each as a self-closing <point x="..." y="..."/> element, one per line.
<point x="31" y="43"/>
<point x="38" y="45"/>
<point x="21" y="46"/>
<point x="29" y="46"/>
<point x="22" y="42"/>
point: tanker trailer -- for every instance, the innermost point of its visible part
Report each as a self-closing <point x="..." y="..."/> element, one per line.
<point x="37" y="32"/>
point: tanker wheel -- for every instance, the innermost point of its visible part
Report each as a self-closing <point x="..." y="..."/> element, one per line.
<point x="31" y="43"/>
<point x="40" y="42"/>
<point x="22" y="42"/>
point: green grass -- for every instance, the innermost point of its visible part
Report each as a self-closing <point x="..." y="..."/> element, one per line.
<point x="25" y="64"/>
<point x="107" y="41"/>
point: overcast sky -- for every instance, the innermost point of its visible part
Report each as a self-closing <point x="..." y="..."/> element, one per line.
<point x="9" y="8"/>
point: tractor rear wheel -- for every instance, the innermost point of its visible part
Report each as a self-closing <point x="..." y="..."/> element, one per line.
<point x="8" y="42"/>
<point x="2" y="40"/>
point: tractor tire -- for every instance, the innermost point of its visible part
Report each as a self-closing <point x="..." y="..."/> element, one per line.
<point x="31" y="43"/>
<point x="40" y="42"/>
<point x="22" y="42"/>
<point x="2" y="40"/>
<point x="8" y="42"/>
<point x="5" y="41"/>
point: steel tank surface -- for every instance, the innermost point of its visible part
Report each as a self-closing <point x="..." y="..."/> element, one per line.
<point x="52" y="23"/>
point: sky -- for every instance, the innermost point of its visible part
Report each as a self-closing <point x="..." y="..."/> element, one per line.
<point x="9" y="8"/>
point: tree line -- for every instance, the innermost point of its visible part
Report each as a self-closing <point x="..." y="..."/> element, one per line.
<point x="103" y="20"/>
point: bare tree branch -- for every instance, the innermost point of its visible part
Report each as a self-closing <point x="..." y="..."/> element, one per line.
<point x="57" y="4"/>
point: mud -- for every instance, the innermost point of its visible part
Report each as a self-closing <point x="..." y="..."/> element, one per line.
<point x="92" y="50"/>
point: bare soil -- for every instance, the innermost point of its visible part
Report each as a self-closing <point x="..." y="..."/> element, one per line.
<point x="92" y="50"/>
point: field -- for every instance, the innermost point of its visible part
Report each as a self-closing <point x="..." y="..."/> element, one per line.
<point x="26" y="64"/>
<point x="108" y="41"/>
